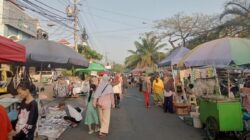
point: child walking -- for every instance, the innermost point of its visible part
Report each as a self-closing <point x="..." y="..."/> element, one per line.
<point x="91" y="113"/>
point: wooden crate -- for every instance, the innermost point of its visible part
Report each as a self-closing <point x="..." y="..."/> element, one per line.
<point x="182" y="109"/>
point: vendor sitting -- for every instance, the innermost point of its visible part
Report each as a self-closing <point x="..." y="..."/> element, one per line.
<point x="74" y="115"/>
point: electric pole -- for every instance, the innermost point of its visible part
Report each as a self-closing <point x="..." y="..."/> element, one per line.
<point x="75" y="26"/>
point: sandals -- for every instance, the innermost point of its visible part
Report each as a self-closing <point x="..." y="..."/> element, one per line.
<point x="102" y="134"/>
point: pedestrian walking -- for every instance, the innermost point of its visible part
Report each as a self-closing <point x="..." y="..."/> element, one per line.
<point x="168" y="94"/>
<point x="117" y="88"/>
<point x="104" y="100"/>
<point x="124" y="84"/>
<point x="5" y="124"/>
<point x="146" y="87"/>
<point x="158" y="88"/>
<point x="91" y="116"/>
<point x="25" y="125"/>
<point x="140" y="83"/>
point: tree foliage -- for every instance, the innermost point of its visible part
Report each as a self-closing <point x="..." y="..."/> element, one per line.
<point x="180" y="28"/>
<point x="89" y="53"/>
<point x="147" y="52"/>
<point x="117" y="68"/>
<point x="191" y="31"/>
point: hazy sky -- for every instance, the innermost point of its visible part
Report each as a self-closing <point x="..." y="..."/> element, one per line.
<point x="114" y="25"/>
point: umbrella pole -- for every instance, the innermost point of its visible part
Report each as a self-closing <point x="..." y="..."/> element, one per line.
<point x="41" y="68"/>
<point x="172" y="69"/>
<point x="217" y="80"/>
<point x="228" y="83"/>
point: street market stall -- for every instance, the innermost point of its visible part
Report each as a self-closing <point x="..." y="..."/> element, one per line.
<point x="168" y="65"/>
<point x="11" y="52"/>
<point x="219" y="113"/>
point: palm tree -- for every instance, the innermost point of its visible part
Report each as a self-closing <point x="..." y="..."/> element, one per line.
<point x="147" y="52"/>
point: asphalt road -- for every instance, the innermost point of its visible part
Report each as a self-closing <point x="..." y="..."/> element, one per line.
<point x="134" y="122"/>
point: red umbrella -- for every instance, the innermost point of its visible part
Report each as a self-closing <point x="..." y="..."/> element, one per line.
<point x="11" y="51"/>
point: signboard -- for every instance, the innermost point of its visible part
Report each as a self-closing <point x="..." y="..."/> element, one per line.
<point x="17" y="18"/>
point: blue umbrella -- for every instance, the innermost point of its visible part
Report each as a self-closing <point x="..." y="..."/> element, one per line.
<point x="174" y="57"/>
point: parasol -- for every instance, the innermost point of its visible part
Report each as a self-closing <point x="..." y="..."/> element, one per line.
<point x="174" y="57"/>
<point x="48" y="52"/>
<point x="220" y="52"/>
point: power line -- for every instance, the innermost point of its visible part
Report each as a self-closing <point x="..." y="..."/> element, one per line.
<point x="119" y="30"/>
<point x="50" y="7"/>
<point x="91" y="15"/>
<point x="111" y="20"/>
<point x="42" y="13"/>
<point x="45" y="10"/>
<point x="118" y="13"/>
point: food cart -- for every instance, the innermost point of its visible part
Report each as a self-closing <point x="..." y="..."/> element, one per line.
<point x="220" y="115"/>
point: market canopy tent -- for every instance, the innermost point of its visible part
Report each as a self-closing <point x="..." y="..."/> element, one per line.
<point x="51" y="53"/>
<point x="220" y="52"/>
<point x="92" y="67"/>
<point x="174" y="57"/>
<point x="11" y="51"/>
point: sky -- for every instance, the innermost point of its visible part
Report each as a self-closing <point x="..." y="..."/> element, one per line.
<point x="114" y="25"/>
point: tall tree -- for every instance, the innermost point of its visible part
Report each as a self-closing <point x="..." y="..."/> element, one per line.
<point x="180" y="28"/>
<point x="237" y="17"/>
<point x="147" y="52"/>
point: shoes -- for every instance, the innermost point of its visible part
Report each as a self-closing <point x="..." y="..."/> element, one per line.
<point x="73" y="125"/>
<point x="91" y="131"/>
<point x="97" y="129"/>
<point x="102" y="134"/>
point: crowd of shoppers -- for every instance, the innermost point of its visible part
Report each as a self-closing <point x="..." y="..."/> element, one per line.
<point x="162" y="89"/>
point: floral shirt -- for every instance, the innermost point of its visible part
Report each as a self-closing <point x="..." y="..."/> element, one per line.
<point x="27" y="119"/>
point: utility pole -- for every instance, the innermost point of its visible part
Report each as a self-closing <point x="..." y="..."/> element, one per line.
<point x="75" y="26"/>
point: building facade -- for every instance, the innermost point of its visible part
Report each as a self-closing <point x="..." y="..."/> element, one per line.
<point x="15" y="23"/>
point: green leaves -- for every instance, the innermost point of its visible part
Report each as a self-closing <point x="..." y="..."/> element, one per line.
<point x="89" y="53"/>
<point x="147" y="52"/>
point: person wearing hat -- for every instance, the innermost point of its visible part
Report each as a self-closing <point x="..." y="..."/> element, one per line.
<point x="94" y="79"/>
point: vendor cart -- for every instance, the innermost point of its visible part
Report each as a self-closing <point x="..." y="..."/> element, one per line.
<point x="220" y="115"/>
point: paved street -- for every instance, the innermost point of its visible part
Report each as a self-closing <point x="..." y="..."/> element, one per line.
<point x="134" y="122"/>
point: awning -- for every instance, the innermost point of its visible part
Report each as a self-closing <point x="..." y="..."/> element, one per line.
<point x="11" y="51"/>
